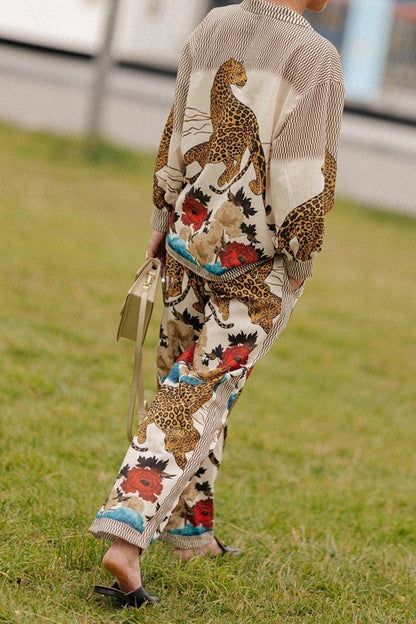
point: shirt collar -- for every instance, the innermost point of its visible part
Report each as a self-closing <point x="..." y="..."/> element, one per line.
<point x="278" y="11"/>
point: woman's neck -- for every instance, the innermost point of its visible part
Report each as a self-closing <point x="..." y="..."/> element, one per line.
<point x="297" y="5"/>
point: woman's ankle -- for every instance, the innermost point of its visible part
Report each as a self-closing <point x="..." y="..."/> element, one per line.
<point x="208" y="549"/>
<point x="122" y="561"/>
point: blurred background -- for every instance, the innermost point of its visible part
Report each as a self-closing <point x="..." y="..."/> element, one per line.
<point x="107" y="67"/>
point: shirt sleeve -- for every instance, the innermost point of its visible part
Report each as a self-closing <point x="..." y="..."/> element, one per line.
<point x="160" y="216"/>
<point x="302" y="175"/>
<point x="169" y="173"/>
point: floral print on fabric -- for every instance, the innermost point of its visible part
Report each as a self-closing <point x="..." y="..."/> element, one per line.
<point x="194" y="210"/>
<point x="203" y="514"/>
<point x="145" y="478"/>
<point x="236" y="354"/>
<point x="135" y="485"/>
<point x="194" y="514"/>
<point x="209" y="240"/>
<point x="236" y="254"/>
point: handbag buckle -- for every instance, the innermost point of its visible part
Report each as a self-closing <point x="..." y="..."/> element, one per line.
<point x="149" y="280"/>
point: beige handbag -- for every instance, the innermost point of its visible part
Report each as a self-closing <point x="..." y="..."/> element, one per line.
<point x="135" y="317"/>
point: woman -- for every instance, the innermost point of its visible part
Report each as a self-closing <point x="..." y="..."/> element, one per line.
<point x="244" y="177"/>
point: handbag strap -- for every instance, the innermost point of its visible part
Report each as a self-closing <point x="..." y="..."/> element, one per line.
<point x="137" y="389"/>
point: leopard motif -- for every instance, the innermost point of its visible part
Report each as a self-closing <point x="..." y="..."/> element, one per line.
<point x="235" y="129"/>
<point x="262" y="305"/>
<point x="172" y="409"/>
<point x="175" y="273"/>
<point x="301" y="233"/>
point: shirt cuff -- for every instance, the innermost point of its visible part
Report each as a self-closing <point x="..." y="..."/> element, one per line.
<point x="160" y="219"/>
<point x="298" y="269"/>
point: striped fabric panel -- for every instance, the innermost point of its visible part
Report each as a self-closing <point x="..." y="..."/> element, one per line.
<point x="334" y="112"/>
<point x="294" y="141"/>
<point x="182" y="81"/>
<point x="264" y="36"/>
<point x="273" y="10"/>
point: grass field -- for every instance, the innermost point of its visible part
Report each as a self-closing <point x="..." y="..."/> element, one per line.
<point x="319" y="478"/>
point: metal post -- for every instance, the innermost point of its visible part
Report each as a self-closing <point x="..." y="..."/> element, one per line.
<point x="103" y="66"/>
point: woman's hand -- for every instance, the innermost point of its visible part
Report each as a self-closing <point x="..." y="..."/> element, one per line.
<point x="156" y="247"/>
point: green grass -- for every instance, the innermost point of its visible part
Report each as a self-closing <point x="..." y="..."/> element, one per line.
<point x="319" y="478"/>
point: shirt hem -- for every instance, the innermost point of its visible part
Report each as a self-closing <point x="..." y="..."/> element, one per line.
<point x="227" y="276"/>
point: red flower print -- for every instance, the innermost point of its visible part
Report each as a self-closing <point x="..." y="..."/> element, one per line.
<point x="144" y="481"/>
<point x="234" y="357"/>
<point x="237" y="254"/>
<point x="194" y="213"/>
<point x="203" y="513"/>
<point x="187" y="357"/>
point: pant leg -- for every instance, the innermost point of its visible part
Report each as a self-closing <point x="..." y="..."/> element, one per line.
<point x="183" y="315"/>
<point x="191" y="524"/>
<point x="184" y="422"/>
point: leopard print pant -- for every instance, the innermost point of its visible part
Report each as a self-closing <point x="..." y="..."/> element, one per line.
<point x="212" y="334"/>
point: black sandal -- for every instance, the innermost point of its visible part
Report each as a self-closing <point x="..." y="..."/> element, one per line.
<point x="135" y="598"/>
<point x="228" y="549"/>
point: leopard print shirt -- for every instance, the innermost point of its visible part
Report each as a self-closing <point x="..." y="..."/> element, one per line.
<point x="247" y="162"/>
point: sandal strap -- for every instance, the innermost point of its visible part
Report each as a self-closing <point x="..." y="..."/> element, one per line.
<point x="228" y="549"/>
<point x="112" y="591"/>
<point x="140" y="596"/>
<point x="135" y="598"/>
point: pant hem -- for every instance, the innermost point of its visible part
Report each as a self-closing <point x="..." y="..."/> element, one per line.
<point x="105" y="528"/>
<point x="184" y="542"/>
